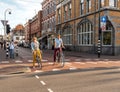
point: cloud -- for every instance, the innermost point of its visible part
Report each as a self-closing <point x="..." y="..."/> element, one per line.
<point x="22" y="10"/>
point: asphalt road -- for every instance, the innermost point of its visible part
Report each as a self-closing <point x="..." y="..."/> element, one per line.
<point x="101" y="80"/>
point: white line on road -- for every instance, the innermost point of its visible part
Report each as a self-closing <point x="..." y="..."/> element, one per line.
<point x="18" y="61"/>
<point x="78" y="59"/>
<point x="79" y="63"/>
<point x="37" y="76"/>
<point x="42" y="82"/>
<point x="44" y="60"/>
<point x="38" y="71"/>
<point x="55" y="69"/>
<point x="103" y="62"/>
<point x="30" y="61"/>
<point x="73" y="68"/>
<point x="4" y="62"/>
<point x="92" y="62"/>
<point x="50" y="90"/>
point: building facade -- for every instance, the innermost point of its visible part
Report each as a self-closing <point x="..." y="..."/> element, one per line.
<point x="33" y="27"/>
<point x="83" y="22"/>
<point x="48" y="22"/>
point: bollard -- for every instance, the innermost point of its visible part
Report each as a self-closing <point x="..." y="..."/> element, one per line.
<point x="7" y="50"/>
<point x="16" y="50"/>
<point x="99" y="48"/>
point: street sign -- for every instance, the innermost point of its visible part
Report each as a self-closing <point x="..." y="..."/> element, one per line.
<point x="103" y="23"/>
<point x="4" y="22"/>
<point x="103" y="18"/>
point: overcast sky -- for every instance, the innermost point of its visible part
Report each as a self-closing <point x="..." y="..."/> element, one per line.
<point x="21" y="11"/>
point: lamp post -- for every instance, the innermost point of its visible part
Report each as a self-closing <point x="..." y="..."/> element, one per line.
<point x="5" y="21"/>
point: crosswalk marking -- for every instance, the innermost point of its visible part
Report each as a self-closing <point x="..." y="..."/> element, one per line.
<point x="18" y="61"/>
<point x="38" y="71"/>
<point x="55" y="69"/>
<point x="5" y="62"/>
<point x="79" y="62"/>
<point x="73" y="68"/>
<point x="30" y="61"/>
<point x="92" y="62"/>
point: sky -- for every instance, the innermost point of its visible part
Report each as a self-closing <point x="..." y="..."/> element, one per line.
<point x="21" y="11"/>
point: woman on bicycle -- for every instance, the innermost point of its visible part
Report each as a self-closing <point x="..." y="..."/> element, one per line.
<point x="58" y="45"/>
<point x="35" y="50"/>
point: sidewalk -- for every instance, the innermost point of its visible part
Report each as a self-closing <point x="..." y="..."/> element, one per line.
<point x="10" y="68"/>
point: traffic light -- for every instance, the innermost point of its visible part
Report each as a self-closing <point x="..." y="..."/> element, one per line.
<point x="8" y="28"/>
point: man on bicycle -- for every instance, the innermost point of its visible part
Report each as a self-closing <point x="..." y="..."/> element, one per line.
<point x="35" y="50"/>
<point x="58" y="45"/>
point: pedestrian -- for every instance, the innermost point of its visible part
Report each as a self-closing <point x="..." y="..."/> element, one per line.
<point x="11" y="48"/>
<point x="35" y="50"/>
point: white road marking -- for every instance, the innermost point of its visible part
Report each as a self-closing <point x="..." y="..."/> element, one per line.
<point x="18" y="61"/>
<point x="55" y="69"/>
<point x="30" y="61"/>
<point x="68" y="63"/>
<point x="50" y="63"/>
<point x="43" y="83"/>
<point x="44" y="60"/>
<point x="5" y="62"/>
<point x="92" y="62"/>
<point x="38" y="71"/>
<point x="67" y="60"/>
<point x="50" y="90"/>
<point x="37" y="76"/>
<point x="73" y="68"/>
<point x="79" y="63"/>
<point x="78" y="59"/>
<point x="96" y="59"/>
<point x="87" y="59"/>
<point x="103" y="62"/>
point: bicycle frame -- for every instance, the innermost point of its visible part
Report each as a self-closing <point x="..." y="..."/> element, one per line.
<point x="60" y="57"/>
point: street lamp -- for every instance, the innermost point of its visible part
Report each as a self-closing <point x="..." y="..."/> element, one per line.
<point x="5" y="21"/>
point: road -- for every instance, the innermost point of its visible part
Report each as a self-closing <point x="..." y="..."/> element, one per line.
<point x="95" y="80"/>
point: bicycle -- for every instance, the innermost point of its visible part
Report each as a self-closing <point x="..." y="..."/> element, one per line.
<point x="60" y="58"/>
<point x="38" y="60"/>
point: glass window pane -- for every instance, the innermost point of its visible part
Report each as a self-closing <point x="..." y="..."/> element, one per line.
<point x="107" y="38"/>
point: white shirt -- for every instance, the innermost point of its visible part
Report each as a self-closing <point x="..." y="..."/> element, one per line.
<point x="11" y="45"/>
<point x="58" y="42"/>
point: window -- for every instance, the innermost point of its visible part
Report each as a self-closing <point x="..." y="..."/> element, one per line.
<point x="81" y="7"/>
<point x="59" y="15"/>
<point x="102" y="3"/>
<point x="112" y="3"/>
<point x="106" y="37"/>
<point x="88" y="5"/>
<point x="67" y="37"/>
<point x="65" y="12"/>
<point x="85" y="34"/>
<point x="69" y="10"/>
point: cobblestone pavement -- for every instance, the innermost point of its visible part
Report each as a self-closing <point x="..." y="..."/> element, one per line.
<point x="73" y="61"/>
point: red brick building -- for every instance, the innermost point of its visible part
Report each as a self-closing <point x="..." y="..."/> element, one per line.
<point x="34" y="27"/>
<point x="48" y="22"/>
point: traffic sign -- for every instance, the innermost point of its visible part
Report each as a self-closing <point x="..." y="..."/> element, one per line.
<point x="103" y="18"/>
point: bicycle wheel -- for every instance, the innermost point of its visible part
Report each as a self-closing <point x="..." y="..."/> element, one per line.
<point x="39" y="61"/>
<point x="62" y="59"/>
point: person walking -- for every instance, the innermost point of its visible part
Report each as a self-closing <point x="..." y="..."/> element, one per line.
<point x="11" y="48"/>
<point x="35" y="50"/>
